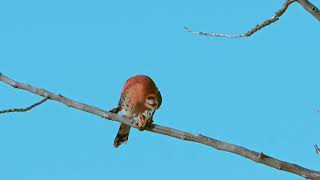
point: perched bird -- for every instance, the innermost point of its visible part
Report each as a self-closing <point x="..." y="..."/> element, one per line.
<point x="140" y="98"/>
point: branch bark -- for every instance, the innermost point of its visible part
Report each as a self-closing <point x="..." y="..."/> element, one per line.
<point x="312" y="9"/>
<point x="219" y="145"/>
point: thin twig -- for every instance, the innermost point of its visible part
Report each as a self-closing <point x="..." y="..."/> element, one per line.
<point x="253" y="30"/>
<point x="24" y="109"/>
<point x="219" y="145"/>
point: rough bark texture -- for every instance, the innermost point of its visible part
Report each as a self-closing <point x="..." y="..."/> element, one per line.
<point x="219" y="145"/>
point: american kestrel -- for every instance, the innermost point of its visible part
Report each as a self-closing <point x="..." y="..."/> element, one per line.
<point x="140" y="98"/>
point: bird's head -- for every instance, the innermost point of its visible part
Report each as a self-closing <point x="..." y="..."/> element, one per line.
<point x="153" y="101"/>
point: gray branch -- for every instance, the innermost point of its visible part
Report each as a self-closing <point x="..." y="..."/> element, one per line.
<point x="219" y="145"/>
<point x="312" y="9"/>
<point x="305" y="3"/>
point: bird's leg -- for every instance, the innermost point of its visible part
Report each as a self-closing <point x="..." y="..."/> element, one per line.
<point x="144" y="120"/>
<point x="116" y="110"/>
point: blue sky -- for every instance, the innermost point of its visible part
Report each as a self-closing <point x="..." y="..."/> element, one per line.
<point x="261" y="92"/>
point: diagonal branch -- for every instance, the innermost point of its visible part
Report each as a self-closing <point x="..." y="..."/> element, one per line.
<point x="219" y="145"/>
<point x="305" y="3"/>
<point x="312" y="9"/>
<point x="24" y="109"/>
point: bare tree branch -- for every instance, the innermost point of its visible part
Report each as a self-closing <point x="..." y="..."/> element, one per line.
<point x="214" y="34"/>
<point x="219" y="145"/>
<point x="312" y="9"/>
<point x="305" y="3"/>
<point x="24" y="109"/>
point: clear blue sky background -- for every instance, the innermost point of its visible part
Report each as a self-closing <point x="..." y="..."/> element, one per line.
<point x="262" y="92"/>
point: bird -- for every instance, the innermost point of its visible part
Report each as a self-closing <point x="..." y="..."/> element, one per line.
<point x="140" y="98"/>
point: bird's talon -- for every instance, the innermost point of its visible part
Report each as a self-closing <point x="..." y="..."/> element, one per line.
<point x="150" y="124"/>
<point x="143" y="123"/>
<point x="140" y="125"/>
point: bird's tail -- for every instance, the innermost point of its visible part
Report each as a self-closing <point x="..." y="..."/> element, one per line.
<point x="122" y="136"/>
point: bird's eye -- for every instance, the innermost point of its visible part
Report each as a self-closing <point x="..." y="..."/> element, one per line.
<point x="150" y="98"/>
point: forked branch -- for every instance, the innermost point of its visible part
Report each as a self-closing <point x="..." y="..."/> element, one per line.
<point x="312" y="9"/>
<point x="219" y="145"/>
<point x="24" y="109"/>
